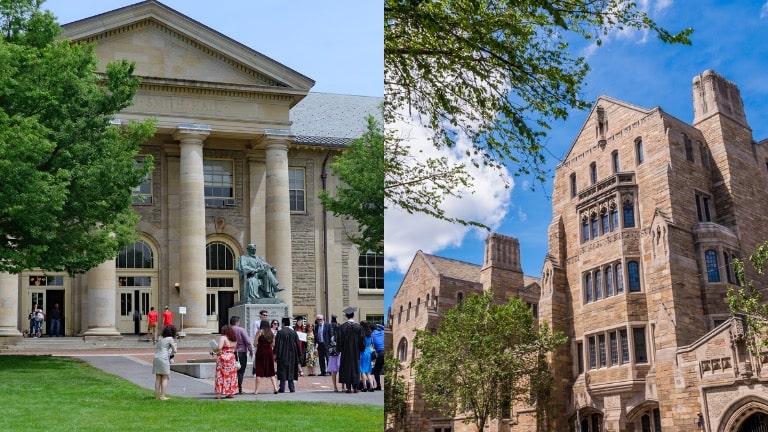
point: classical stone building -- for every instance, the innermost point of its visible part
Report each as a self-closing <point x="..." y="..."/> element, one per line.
<point x="432" y="285"/>
<point x="648" y="214"/>
<point x="241" y="151"/>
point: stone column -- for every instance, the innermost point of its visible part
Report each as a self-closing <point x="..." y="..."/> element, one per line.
<point x="257" y="193"/>
<point x="102" y="290"/>
<point x="192" y="228"/>
<point x="278" y="213"/>
<point x="9" y="305"/>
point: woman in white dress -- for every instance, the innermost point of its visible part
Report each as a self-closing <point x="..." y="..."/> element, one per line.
<point x="161" y="363"/>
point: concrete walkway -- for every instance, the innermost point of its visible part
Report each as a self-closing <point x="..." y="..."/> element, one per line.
<point x="134" y="363"/>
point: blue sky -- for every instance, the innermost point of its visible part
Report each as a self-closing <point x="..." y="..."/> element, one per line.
<point x="729" y="37"/>
<point x="338" y="44"/>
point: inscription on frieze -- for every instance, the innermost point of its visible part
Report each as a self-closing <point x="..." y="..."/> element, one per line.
<point x="178" y="104"/>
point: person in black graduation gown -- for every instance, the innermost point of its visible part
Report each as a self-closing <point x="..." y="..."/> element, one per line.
<point x="287" y="354"/>
<point x="350" y="340"/>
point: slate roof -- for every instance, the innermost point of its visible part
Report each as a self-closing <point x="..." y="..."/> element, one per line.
<point x="454" y="268"/>
<point x="329" y="119"/>
<point x="465" y="271"/>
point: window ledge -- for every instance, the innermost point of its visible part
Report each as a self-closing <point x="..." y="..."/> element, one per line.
<point x="370" y="291"/>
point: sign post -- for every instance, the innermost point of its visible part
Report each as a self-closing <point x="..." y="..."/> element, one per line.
<point x="182" y="312"/>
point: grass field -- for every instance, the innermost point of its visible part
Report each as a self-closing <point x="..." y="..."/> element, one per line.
<point x="43" y="393"/>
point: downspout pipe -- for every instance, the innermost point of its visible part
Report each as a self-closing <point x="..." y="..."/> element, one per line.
<point x="323" y="177"/>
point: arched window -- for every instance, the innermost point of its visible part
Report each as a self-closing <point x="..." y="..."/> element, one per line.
<point x="619" y="279"/>
<point x="629" y="214"/>
<point x="584" y="230"/>
<point x="688" y="148"/>
<point x="605" y="222"/>
<point x="614" y="212"/>
<point x="136" y="256"/>
<point x="588" y="287"/>
<point x="609" y="281"/>
<point x="400" y="315"/>
<point x="408" y="313"/>
<point x="593" y="172"/>
<point x="593" y="224"/>
<point x="633" y="272"/>
<point x="713" y="271"/>
<point x="418" y="303"/>
<point x="704" y="155"/>
<point x="598" y="284"/>
<point x="728" y="269"/>
<point x="402" y="350"/>
<point x="639" y="150"/>
<point x="219" y="256"/>
<point x="573" y="185"/>
<point x="615" y="161"/>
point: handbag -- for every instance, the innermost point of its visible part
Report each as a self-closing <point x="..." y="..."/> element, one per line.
<point x="333" y="351"/>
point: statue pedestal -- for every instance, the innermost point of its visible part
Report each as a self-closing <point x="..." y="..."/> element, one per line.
<point x="249" y="313"/>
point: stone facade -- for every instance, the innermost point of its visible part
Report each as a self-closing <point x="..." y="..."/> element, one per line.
<point x="648" y="214"/>
<point x="217" y="104"/>
<point x="433" y="285"/>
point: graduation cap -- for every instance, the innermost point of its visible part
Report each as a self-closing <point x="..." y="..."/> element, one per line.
<point x="349" y="310"/>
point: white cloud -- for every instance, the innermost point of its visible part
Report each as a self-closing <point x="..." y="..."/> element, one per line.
<point x="764" y="11"/>
<point x="404" y="233"/>
<point x="629" y="33"/>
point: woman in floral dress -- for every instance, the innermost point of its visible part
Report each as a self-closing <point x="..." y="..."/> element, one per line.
<point x="225" y="382"/>
<point x="312" y="359"/>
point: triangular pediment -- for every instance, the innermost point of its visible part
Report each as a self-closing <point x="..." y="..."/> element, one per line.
<point x="168" y="46"/>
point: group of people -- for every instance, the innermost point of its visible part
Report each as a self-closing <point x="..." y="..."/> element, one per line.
<point x="279" y="353"/>
<point x="351" y="352"/>
<point x="37" y="318"/>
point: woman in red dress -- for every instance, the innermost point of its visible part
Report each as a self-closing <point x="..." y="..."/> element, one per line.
<point x="264" y="360"/>
<point x="225" y="382"/>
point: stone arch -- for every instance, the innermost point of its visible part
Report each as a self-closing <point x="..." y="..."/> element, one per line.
<point x="739" y="411"/>
<point x="645" y="414"/>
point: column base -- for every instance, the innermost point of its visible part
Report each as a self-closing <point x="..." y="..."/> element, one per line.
<point x="10" y="332"/>
<point x="194" y="331"/>
<point x="102" y="331"/>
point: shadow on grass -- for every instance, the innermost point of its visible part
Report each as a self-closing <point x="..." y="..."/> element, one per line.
<point x="65" y="394"/>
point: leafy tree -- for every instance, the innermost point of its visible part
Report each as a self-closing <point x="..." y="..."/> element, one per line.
<point x="747" y="303"/>
<point x="395" y="392"/>
<point x="482" y="358"/>
<point x="66" y="173"/>
<point x="496" y="71"/>
<point x="360" y="196"/>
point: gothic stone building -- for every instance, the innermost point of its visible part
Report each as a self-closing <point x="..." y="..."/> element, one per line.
<point x="241" y="150"/>
<point x="432" y="285"/>
<point x="648" y="214"/>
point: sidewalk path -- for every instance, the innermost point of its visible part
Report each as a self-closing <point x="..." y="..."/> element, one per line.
<point x="136" y="367"/>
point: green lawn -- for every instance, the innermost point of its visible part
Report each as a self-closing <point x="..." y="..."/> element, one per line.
<point x="43" y="393"/>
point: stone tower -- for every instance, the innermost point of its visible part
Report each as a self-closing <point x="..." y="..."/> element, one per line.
<point x="501" y="267"/>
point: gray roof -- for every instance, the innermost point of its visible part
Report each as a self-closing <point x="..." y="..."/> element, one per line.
<point x="454" y="268"/>
<point x="330" y="119"/>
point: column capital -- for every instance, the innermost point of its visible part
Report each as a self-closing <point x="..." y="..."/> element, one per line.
<point x="191" y="132"/>
<point x="277" y="137"/>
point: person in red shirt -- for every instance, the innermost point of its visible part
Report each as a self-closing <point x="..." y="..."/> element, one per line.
<point x="167" y="317"/>
<point x="152" y="324"/>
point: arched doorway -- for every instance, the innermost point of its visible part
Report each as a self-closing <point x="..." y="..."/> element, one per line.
<point x="757" y="422"/>
<point x="749" y="414"/>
